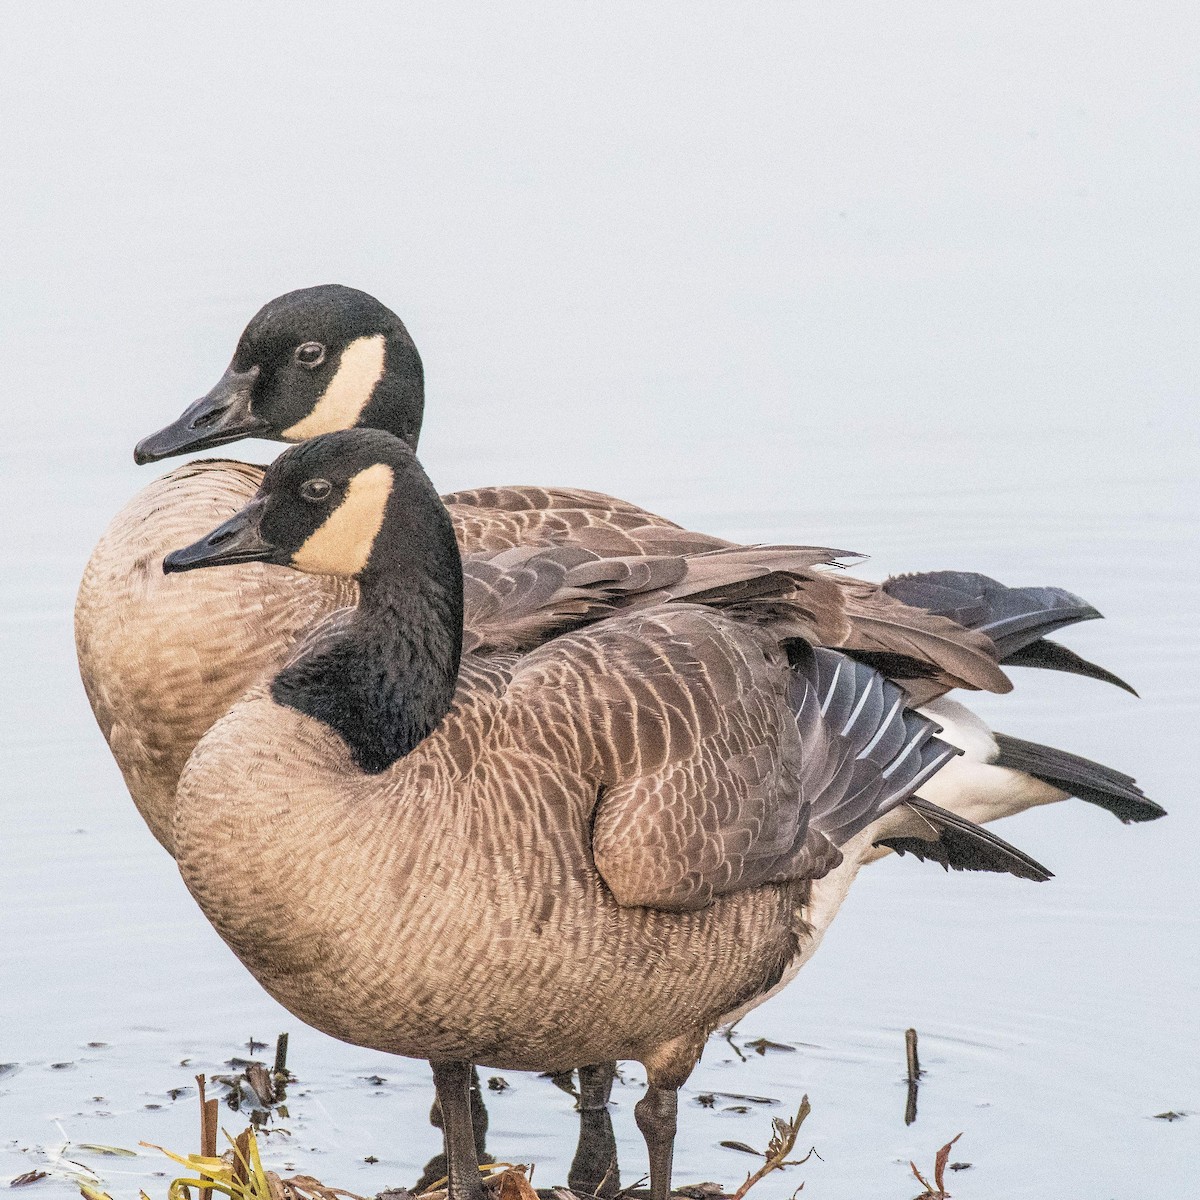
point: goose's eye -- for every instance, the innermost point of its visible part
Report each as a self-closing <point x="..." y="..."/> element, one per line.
<point x="310" y="354"/>
<point x="315" y="490"/>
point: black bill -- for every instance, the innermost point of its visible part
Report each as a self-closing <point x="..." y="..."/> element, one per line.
<point x="238" y="540"/>
<point x="222" y="416"/>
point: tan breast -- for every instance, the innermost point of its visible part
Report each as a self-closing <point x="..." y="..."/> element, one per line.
<point x="162" y="656"/>
<point x="450" y="906"/>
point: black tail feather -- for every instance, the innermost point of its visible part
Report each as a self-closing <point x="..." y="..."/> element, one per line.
<point x="1078" y="776"/>
<point x="1052" y="657"/>
<point x="962" y="845"/>
<point x="1017" y="620"/>
<point x="1011" y="617"/>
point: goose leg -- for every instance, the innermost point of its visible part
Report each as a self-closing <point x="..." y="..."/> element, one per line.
<point x="436" y="1168"/>
<point x="453" y="1083"/>
<point x="656" y="1118"/>
<point x="594" y="1169"/>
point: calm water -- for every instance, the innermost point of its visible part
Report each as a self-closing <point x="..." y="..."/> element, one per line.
<point x="917" y="282"/>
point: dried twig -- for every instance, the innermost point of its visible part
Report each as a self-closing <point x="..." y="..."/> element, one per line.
<point x="910" y="1053"/>
<point x="727" y="1033"/>
<point x="209" y="1115"/>
<point x="281" y="1049"/>
<point x="782" y="1143"/>
<point x="937" y="1189"/>
<point x="241" y="1160"/>
<point x="914" y="1075"/>
<point x="625" y="1192"/>
<point x="491" y="1172"/>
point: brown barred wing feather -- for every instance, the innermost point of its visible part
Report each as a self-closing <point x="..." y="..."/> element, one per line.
<point x="720" y="765"/>
<point x="519" y="597"/>
<point x="882" y="624"/>
<point x="496" y="518"/>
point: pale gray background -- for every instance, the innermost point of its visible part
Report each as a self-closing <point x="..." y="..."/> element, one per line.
<point x="916" y="279"/>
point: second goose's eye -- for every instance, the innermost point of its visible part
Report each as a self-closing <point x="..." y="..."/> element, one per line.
<point x="310" y="354"/>
<point x="315" y="490"/>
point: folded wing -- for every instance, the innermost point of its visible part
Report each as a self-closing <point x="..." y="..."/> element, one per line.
<point x="722" y="762"/>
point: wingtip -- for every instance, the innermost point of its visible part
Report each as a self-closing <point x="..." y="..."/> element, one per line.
<point x="1139" y="814"/>
<point x="963" y="845"/>
<point x="1053" y="656"/>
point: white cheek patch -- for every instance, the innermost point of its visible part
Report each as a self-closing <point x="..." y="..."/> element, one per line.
<point x="342" y="402"/>
<point x="342" y="545"/>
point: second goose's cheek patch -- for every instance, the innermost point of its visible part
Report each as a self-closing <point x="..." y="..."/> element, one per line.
<point x="342" y="545"/>
<point x="341" y="404"/>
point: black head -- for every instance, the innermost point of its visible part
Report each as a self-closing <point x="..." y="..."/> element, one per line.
<point x="354" y="503"/>
<point x="312" y="361"/>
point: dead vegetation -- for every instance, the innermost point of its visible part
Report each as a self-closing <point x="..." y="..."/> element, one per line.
<point x="937" y="1189"/>
<point x="239" y="1173"/>
<point x="782" y="1143"/>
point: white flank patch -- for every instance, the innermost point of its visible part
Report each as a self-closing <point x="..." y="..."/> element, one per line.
<point x="342" y="545"/>
<point x="342" y="403"/>
<point x="962" y="728"/>
<point x="971" y="785"/>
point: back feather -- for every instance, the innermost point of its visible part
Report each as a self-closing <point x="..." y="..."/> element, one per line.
<point x="517" y="598"/>
<point x="885" y="624"/>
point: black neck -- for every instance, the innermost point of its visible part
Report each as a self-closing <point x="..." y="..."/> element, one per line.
<point x="385" y="682"/>
<point x="398" y="403"/>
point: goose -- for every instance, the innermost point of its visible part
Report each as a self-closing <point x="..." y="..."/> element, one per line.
<point x="162" y="659"/>
<point x="540" y="824"/>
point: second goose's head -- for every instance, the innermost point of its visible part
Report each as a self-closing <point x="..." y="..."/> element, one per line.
<point x="357" y="503"/>
<point x="312" y="361"/>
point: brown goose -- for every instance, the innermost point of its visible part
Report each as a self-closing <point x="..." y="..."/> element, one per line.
<point x="161" y="660"/>
<point x="622" y="833"/>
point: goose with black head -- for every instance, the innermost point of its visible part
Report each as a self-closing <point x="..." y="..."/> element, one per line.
<point x="310" y="362"/>
<point x="162" y="659"/>
<point x="624" y="830"/>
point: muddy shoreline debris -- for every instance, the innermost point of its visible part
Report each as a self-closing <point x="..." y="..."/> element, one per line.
<point x="238" y="1173"/>
<point x="28" y="1178"/>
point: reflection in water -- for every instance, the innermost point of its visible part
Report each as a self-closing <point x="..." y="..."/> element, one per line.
<point x="594" y="1169"/>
